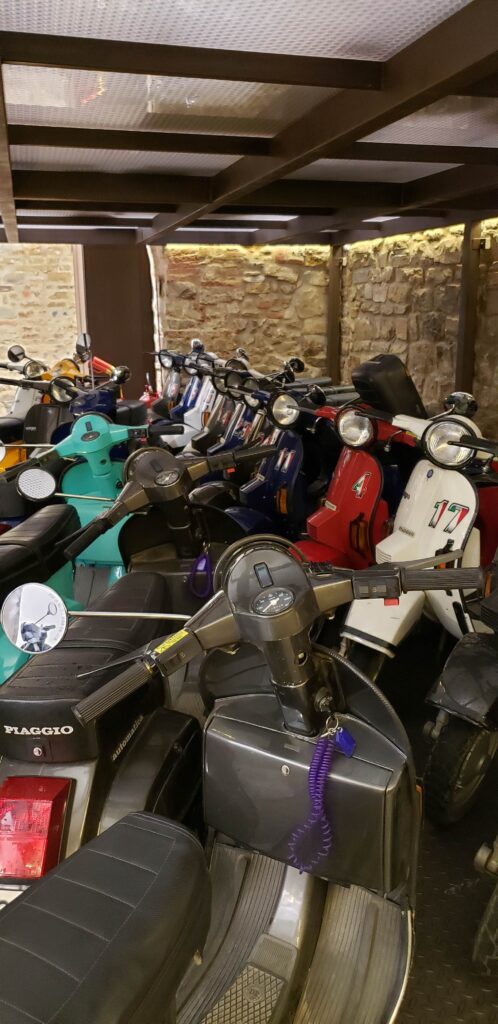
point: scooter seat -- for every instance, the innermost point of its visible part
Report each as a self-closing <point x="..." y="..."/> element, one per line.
<point x="28" y="552"/>
<point x="42" y="694"/>
<point x="106" y="937"/>
<point x="131" y="412"/>
<point x="11" y="429"/>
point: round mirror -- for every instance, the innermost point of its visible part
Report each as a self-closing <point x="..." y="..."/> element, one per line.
<point x="34" y="618"/>
<point x="32" y="369"/>
<point x="62" y="390"/>
<point x="121" y="374"/>
<point x="461" y="403"/>
<point x="36" y="484"/>
<point x="283" y="410"/>
<point x="196" y="345"/>
<point x="296" y="364"/>
<point x="16" y="353"/>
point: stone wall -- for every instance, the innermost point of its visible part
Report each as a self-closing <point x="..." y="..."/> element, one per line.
<point x="401" y="295"/>
<point x="272" y="300"/>
<point x="37" y="303"/>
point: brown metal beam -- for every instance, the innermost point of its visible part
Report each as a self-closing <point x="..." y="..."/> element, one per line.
<point x="75" y="236"/>
<point x="448" y="186"/>
<point x="75" y="186"/>
<point x="188" y="61"/>
<point x="459" y="51"/>
<point x="7" y="204"/>
<point x="141" y="141"/>
<point x="151" y="189"/>
<point x="487" y="87"/>
<point x="334" y="315"/>
<point x="482" y="155"/>
<point x="467" y="318"/>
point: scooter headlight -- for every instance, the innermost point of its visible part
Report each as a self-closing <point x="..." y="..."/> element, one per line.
<point x="439" y="443"/>
<point x="250" y="399"/>
<point x="284" y="410"/>
<point x="354" y="428"/>
<point x="166" y="360"/>
<point x="190" y="366"/>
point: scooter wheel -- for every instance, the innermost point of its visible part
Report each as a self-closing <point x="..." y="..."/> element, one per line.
<point x="457" y="767"/>
<point x="485" y="953"/>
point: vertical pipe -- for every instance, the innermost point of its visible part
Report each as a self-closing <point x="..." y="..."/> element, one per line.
<point x="334" y="315"/>
<point x="467" y="316"/>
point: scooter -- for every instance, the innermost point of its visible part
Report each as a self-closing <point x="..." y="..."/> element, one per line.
<point x="438" y="513"/>
<point x="485" y="952"/>
<point x="465" y="734"/>
<point x="310" y="819"/>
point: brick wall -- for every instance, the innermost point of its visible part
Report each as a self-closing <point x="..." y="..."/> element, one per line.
<point x="37" y="303"/>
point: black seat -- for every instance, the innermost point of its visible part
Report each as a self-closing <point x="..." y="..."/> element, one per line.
<point x="44" y="691"/>
<point x="28" y="552"/>
<point x="106" y="937"/>
<point x="229" y="675"/>
<point x="131" y="412"/>
<point x="11" y="429"/>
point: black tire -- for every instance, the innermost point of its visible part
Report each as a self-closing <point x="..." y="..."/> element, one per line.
<point x="456" y="770"/>
<point x="485" y="953"/>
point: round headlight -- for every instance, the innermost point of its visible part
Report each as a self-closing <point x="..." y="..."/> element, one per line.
<point x="284" y="410"/>
<point x="440" y="445"/>
<point x="355" y="429"/>
<point x="250" y="386"/>
<point x="165" y="360"/>
<point x="190" y="367"/>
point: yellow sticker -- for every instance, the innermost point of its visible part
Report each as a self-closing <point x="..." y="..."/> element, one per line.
<point x="171" y="641"/>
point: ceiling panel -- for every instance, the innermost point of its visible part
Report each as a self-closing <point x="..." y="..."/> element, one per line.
<point x="367" y="170"/>
<point x="453" y="121"/>
<point x="57" y="96"/>
<point x="45" y="158"/>
<point x="328" y="28"/>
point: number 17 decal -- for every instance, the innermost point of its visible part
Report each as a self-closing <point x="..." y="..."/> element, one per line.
<point x="456" y="513"/>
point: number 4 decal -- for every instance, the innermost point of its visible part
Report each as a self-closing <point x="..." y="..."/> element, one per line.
<point x="456" y="512"/>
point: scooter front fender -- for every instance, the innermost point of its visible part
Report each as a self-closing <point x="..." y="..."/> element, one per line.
<point x="468" y="686"/>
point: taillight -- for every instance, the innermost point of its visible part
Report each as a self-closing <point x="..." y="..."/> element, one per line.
<point x="32" y="812"/>
<point x="5" y="527"/>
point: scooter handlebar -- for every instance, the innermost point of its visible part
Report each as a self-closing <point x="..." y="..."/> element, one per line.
<point x="442" y="579"/>
<point x="256" y="453"/>
<point x="112" y="693"/>
<point x="92" y="532"/>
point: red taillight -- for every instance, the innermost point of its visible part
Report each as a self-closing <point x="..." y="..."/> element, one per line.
<point x="32" y="812"/>
<point x="5" y="527"/>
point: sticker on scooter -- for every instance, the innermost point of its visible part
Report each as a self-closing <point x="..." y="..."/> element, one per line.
<point x="360" y="487"/>
<point x="456" y="513"/>
<point x="171" y="641"/>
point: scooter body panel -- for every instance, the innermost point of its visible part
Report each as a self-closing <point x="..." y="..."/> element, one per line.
<point x="353" y="516"/>
<point x="81" y="480"/>
<point x="436" y="514"/>
<point x="468" y="686"/>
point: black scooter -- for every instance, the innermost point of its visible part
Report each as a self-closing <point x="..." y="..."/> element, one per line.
<point x="309" y="819"/>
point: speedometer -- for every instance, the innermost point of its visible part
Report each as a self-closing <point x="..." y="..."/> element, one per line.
<point x="273" y="601"/>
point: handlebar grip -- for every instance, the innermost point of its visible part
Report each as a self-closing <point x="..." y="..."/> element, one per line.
<point x="112" y="693"/>
<point x="92" y="532"/>
<point x="442" y="579"/>
<point x="160" y="427"/>
<point x="256" y="453"/>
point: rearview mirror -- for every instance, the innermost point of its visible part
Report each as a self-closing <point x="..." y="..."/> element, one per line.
<point x="62" y="390"/>
<point x="34" y="618"/>
<point x="16" y="353"/>
<point x="317" y="396"/>
<point x="36" y="484"/>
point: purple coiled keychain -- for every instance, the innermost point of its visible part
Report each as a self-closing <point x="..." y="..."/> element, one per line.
<point x="202" y="564"/>
<point x="316" y="833"/>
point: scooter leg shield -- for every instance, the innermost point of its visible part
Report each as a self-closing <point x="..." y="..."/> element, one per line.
<point x="384" y="628"/>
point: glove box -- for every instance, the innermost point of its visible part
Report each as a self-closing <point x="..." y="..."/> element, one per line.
<point x="256" y="792"/>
